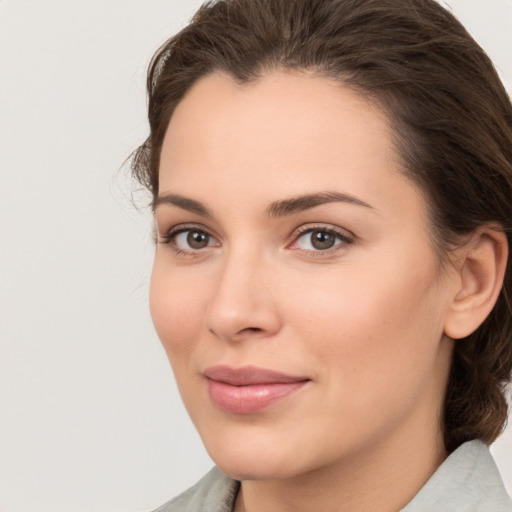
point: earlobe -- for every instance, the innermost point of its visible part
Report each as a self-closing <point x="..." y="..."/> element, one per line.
<point x="481" y="273"/>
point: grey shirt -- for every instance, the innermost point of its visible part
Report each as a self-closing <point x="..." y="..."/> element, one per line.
<point x="467" y="481"/>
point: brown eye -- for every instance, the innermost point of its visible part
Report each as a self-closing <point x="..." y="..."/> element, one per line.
<point x="189" y="240"/>
<point x="197" y="239"/>
<point x="322" y="240"/>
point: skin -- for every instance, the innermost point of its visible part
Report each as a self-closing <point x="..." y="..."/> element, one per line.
<point x="364" y="320"/>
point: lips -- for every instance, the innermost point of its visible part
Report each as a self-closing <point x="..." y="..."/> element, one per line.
<point x="249" y="389"/>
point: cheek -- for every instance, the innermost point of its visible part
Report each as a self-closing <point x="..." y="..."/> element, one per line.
<point x="176" y="309"/>
<point x="369" y="323"/>
<point x="374" y="340"/>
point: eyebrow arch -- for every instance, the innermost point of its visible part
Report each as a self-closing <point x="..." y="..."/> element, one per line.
<point x="308" y="201"/>
<point x="185" y="203"/>
<point x="279" y="208"/>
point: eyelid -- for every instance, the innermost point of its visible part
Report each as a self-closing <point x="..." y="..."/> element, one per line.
<point x="344" y="235"/>
<point x="185" y="226"/>
<point x="168" y="237"/>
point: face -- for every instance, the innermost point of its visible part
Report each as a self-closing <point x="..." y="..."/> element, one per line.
<point x="295" y="286"/>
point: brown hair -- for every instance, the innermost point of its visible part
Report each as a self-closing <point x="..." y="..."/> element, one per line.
<point x="451" y="116"/>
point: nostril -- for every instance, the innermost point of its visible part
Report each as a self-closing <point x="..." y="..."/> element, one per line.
<point x="242" y="331"/>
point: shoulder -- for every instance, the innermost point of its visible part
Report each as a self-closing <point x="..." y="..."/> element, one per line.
<point x="467" y="481"/>
<point x="215" y="492"/>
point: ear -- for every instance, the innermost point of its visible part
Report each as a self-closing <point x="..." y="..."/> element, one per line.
<point x="481" y="271"/>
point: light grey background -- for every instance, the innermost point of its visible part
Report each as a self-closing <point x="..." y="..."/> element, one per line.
<point x="90" y="419"/>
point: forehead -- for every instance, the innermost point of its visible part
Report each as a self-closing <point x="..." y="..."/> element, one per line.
<point x="283" y="134"/>
<point x="280" y="106"/>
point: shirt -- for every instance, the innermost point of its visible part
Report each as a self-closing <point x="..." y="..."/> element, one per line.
<point x="467" y="481"/>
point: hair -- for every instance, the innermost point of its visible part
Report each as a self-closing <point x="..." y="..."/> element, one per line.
<point x="452" y="126"/>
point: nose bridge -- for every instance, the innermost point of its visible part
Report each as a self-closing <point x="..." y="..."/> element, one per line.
<point x="242" y="303"/>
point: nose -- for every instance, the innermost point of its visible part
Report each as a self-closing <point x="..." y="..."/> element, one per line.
<point x="244" y="303"/>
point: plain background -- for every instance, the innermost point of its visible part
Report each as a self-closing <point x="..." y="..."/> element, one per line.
<point x="90" y="419"/>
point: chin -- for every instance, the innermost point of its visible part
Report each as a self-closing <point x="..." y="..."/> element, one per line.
<point x="248" y="460"/>
<point x="256" y="469"/>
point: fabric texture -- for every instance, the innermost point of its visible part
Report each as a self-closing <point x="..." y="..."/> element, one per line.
<point x="215" y="492"/>
<point x="467" y="481"/>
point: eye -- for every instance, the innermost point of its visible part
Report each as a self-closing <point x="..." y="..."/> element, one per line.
<point x="192" y="239"/>
<point x="320" y="239"/>
<point x="188" y="240"/>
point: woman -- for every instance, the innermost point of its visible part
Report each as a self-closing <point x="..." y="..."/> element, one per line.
<point x="332" y="189"/>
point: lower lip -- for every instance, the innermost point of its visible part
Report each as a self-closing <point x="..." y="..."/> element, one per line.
<point x="250" y="398"/>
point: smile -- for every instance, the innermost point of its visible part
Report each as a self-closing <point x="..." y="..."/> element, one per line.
<point x="249" y="389"/>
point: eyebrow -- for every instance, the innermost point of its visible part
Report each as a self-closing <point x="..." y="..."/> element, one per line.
<point x="308" y="201"/>
<point x="279" y="208"/>
<point x="185" y="203"/>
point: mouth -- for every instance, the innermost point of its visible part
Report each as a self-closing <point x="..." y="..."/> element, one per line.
<point x="249" y="389"/>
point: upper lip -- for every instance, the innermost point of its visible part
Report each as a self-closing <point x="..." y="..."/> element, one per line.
<point x="249" y="375"/>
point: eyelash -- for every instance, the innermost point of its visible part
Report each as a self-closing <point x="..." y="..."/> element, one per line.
<point x="346" y="239"/>
<point x="170" y="238"/>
